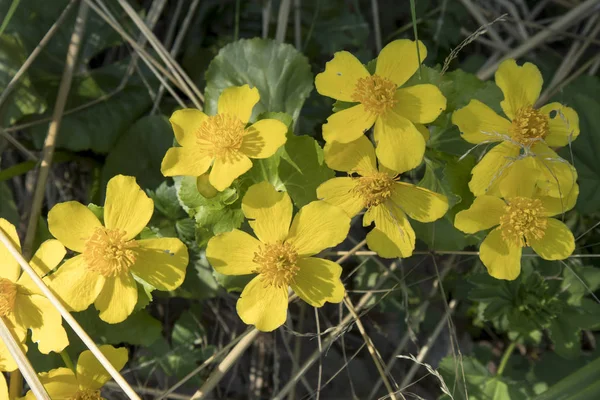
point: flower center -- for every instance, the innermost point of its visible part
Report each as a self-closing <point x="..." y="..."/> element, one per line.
<point x="277" y="263"/>
<point x="86" y="394"/>
<point x="529" y="125"/>
<point x="523" y="220"/>
<point x="374" y="189"/>
<point x="221" y="134"/>
<point x="107" y="253"/>
<point x="375" y="93"/>
<point x="8" y="294"/>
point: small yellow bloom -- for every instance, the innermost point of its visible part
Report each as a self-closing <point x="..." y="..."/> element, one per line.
<point x="393" y="111"/>
<point x="110" y="257"/>
<point x="223" y="140"/>
<point x="281" y="256"/>
<point x="387" y="200"/>
<point x="86" y="381"/>
<point x="22" y="305"/>
<point x="525" y="137"/>
<point x="521" y="221"/>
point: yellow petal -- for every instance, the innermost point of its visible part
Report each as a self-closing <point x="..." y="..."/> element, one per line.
<point x="357" y="156"/>
<point x="348" y="125"/>
<point x="231" y="253"/>
<point x="502" y="260"/>
<point x="398" y="60"/>
<point x="238" y="101"/>
<point x="521" y="86"/>
<point x="46" y="258"/>
<point x="60" y="383"/>
<point x="517" y="179"/>
<point x="400" y="146"/>
<point x="420" y="103"/>
<point x="76" y="286"/>
<point x="10" y="267"/>
<point x="91" y="374"/>
<point x="555" y="205"/>
<point x="35" y="312"/>
<point x="225" y="171"/>
<point x="186" y="161"/>
<point x="424" y="131"/>
<point x="557" y="243"/>
<point x="317" y="226"/>
<point x="7" y="363"/>
<point x="419" y="203"/>
<point x="488" y="172"/>
<point x="484" y="213"/>
<point x="392" y="236"/>
<point x="72" y="223"/>
<point x="161" y="262"/>
<point x="204" y="187"/>
<point x="563" y="124"/>
<point x="127" y="207"/>
<point x="185" y="124"/>
<point x="117" y="298"/>
<point x="269" y="212"/>
<point x="263" y="138"/>
<point x="556" y="176"/>
<point x="340" y="192"/>
<point x="478" y="123"/>
<point x="318" y="281"/>
<point x="264" y="306"/>
<point x="340" y="76"/>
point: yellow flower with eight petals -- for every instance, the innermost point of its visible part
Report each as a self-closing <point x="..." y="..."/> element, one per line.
<point x="22" y="304"/>
<point x="86" y="381"/>
<point x="222" y="140"/>
<point x="110" y="257"/>
<point x="520" y="221"/>
<point x="281" y="256"/>
<point x="525" y="137"/>
<point x="393" y="111"/>
<point x="387" y="200"/>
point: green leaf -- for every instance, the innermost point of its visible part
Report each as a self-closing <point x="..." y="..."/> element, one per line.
<point x="573" y="278"/>
<point x="166" y="202"/>
<point x="199" y="281"/>
<point x="583" y="384"/>
<point x="302" y="169"/>
<point x="8" y="208"/>
<point x="279" y="71"/>
<point x="139" y="152"/>
<point x="566" y="336"/>
<point x="97" y="210"/>
<point x="233" y="283"/>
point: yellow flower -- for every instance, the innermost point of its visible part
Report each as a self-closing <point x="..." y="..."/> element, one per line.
<point x="110" y="257"/>
<point x="222" y="140"/>
<point x="525" y="137"/>
<point x="22" y="304"/>
<point x="387" y="200"/>
<point x="520" y="221"/>
<point x="86" y="381"/>
<point x="393" y="111"/>
<point x="281" y="256"/>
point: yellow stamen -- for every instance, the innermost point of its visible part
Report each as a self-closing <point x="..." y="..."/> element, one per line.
<point x="277" y="263"/>
<point x="86" y="394"/>
<point x="528" y="126"/>
<point x="221" y="135"/>
<point x="374" y="189"/>
<point x="376" y="93"/>
<point x="8" y="294"/>
<point x="108" y="253"/>
<point x="523" y="220"/>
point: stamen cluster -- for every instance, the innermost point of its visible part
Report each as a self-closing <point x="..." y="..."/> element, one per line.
<point x="523" y="220"/>
<point x="376" y="93"/>
<point x="108" y="253"/>
<point x="222" y="134"/>
<point x="86" y="394"/>
<point x="375" y="189"/>
<point x="8" y="294"/>
<point x="529" y="125"/>
<point x="277" y="263"/>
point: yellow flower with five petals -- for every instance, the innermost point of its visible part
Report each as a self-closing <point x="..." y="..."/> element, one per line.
<point x="387" y="200"/>
<point x="22" y="304"/>
<point x="519" y="221"/>
<point x="524" y="138"/>
<point x="282" y="256"/>
<point x="222" y="140"/>
<point x="86" y="381"/>
<point x="110" y="257"/>
<point x="381" y="102"/>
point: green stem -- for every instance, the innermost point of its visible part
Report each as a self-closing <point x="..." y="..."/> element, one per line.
<point x="413" y="14"/>
<point x="505" y="357"/>
<point x="236" y="29"/>
<point x="67" y="360"/>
